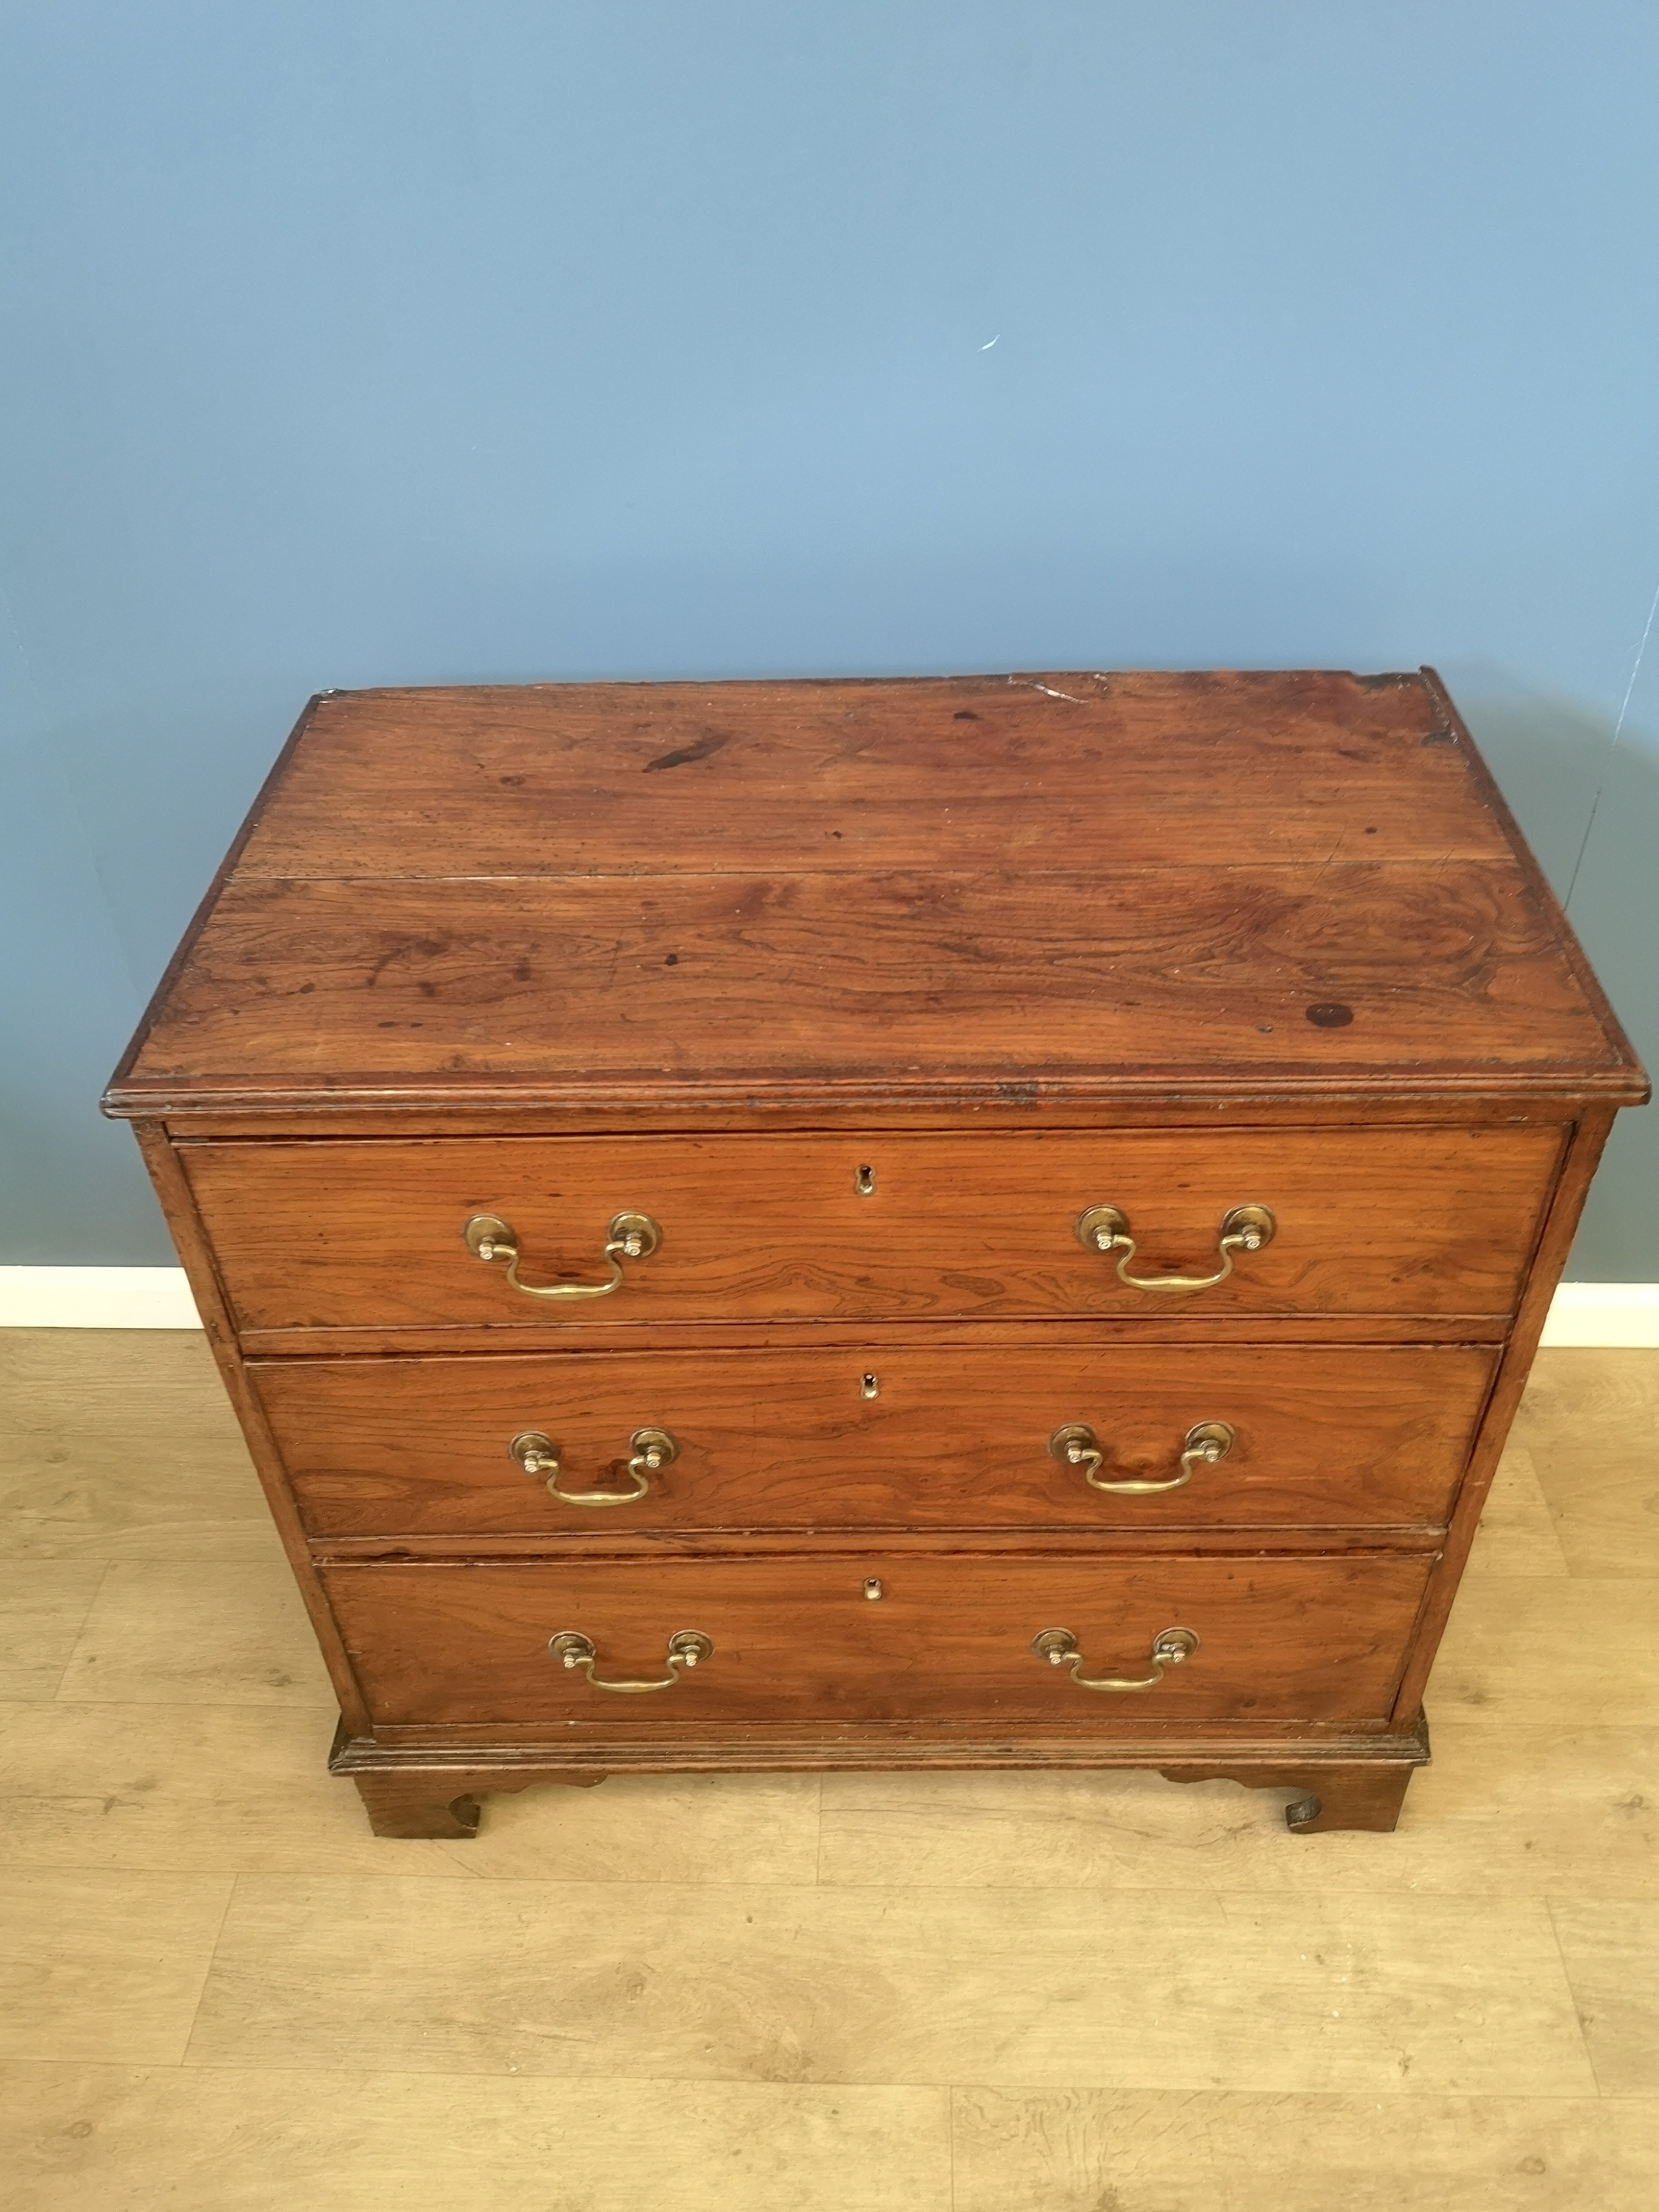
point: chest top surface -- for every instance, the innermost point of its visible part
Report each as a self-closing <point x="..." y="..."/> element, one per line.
<point x="1085" y="888"/>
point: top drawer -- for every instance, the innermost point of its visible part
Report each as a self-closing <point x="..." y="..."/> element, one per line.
<point x="371" y="1234"/>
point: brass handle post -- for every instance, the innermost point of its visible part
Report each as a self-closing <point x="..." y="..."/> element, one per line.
<point x="686" y="1648"/>
<point x="633" y="1237"/>
<point x="1173" y="1648"/>
<point x="538" y="1455"/>
<point x="1077" y="1445"/>
<point x="1106" y="1229"/>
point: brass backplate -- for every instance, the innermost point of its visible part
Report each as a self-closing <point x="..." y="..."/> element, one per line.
<point x="530" y="1443"/>
<point x="1074" y="1433"/>
<point x="1243" y="1218"/>
<point x="655" y="1444"/>
<point x="1111" y="1218"/>
<point x="636" y="1230"/>
<point x="1219" y="1433"/>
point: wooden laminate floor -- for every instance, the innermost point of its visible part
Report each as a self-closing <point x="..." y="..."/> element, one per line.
<point x="949" y="1993"/>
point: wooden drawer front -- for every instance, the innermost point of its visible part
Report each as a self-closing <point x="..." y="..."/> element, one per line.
<point x="369" y="1234"/>
<point x="796" y="1638"/>
<point x="1368" y="1436"/>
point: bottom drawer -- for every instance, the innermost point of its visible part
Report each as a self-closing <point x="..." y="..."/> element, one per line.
<point x="796" y="1638"/>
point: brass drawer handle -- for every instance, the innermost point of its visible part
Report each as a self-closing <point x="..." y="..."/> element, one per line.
<point x="633" y="1237"/>
<point x="688" y="1647"/>
<point x="537" y="1455"/>
<point x="1078" y="1445"/>
<point x="1106" y="1229"/>
<point x="1059" y="1647"/>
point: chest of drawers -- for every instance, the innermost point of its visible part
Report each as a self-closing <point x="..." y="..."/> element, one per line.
<point x="988" y="1222"/>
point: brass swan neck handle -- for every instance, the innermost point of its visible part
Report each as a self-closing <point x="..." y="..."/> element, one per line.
<point x="633" y="1237"/>
<point x="1105" y="1229"/>
<point x="538" y="1455"/>
<point x="687" y="1647"/>
<point x="1076" y="1444"/>
<point x="1172" y="1648"/>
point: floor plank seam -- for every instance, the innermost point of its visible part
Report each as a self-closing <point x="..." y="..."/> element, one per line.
<point x="1572" y="1997"/>
<point x="191" y="2069"/>
<point x="183" y="2060"/>
<point x="191" y="1704"/>
<point x="57" y="1696"/>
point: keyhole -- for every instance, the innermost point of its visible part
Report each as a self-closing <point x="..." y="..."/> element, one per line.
<point x="870" y="1386"/>
<point x="865" y="1181"/>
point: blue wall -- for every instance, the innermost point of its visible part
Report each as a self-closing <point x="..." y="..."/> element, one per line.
<point x="350" y="341"/>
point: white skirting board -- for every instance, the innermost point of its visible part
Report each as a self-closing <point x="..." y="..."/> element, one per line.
<point x="96" y="1297"/>
<point x="1617" y="1314"/>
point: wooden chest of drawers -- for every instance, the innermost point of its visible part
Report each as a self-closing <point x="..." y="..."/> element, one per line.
<point x="996" y="1222"/>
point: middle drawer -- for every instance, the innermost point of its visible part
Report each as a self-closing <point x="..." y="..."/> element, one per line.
<point x="992" y="1436"/>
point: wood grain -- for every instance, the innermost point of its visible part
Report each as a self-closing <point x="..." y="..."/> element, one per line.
<point x="953" y="1440"/>
<point x="130" y="1453"/>
<point x="1533" y="1649"/>
<point x="1517" y="1535"/>
<point x="1549" y="1258"/>
<point x="104" y="1966"/>
<point x="205" y="2139"/>
<point x="1000" y="950"/>
<point x="422" y="1340"/>
<point x="995" y="1108"/>
<point x="1421" y="1221"/>
<point x="612" y="779"/>
<point x="1295" y="2008"/>
<point x="207" y="1288"/>
<point x="177" y="1634"/>
<point x="1089" y="887"/>
<point x="751" y="1984"/>
<point x="44" y="1605"/>
<point x="211" y="1789"/>
<point x="186" y="1788"/>
<point x="1516" y="1810"/>
<point x="1095" y="2150"/>
<point x="797" y="1638"/>
<point x="1590" y="1422"/>
<point x="1097" y="984"/>
<point x="1611" y="1947"/>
